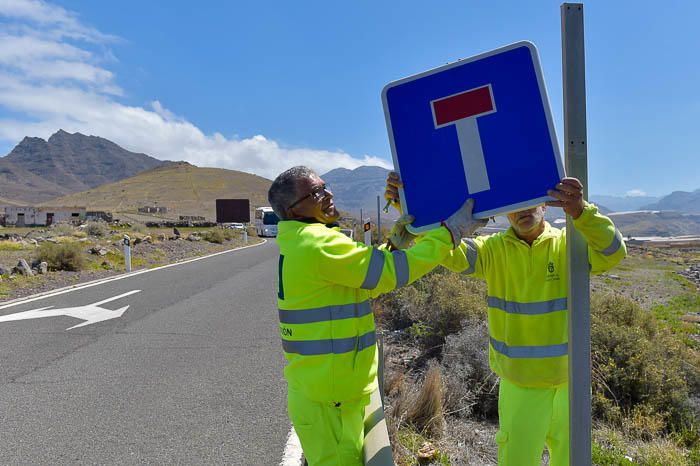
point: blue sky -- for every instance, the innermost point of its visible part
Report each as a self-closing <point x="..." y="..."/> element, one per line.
<point x="261" y="86"/>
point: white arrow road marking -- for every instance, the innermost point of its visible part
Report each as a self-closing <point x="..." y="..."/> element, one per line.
<point x="91" y="313"/>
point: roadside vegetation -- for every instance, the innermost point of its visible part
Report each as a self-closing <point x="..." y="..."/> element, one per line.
<point x="65" y="254"/>
<point x="442" y="398"/>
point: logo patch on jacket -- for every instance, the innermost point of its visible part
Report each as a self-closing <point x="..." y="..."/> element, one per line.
<point x="552" y="275"/>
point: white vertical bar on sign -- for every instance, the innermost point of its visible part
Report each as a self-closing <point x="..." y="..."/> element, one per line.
<point x="574" y="77"/>
<point x="472" y="155"/>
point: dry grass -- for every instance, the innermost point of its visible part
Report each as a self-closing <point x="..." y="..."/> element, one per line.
<point x="419" y="407"/>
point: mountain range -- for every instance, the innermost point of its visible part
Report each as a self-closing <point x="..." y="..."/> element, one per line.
<point x="37" y="170"/>
<point x="358" y="189"/>
<point x="74" y="169"/>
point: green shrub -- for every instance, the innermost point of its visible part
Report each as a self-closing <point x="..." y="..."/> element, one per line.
<point x="13" y="246"/>
<point x="62" y="229"/>
<point x="641" y="375"/>
<point x="96" y="229"/>
<point x="138" y="228"/>
<point x="437" y="303"/>
<point x="62" y="256"/>
<point x="214" y="236"/>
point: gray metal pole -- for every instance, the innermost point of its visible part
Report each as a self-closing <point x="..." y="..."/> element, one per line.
<point x="379" y="222"/>
<point x="574" y="74"/>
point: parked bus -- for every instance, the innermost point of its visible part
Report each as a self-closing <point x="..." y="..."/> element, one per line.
<point x="266" y="221"/>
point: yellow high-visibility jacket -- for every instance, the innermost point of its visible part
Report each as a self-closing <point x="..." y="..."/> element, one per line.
<point x="527" y="294"/>
<point x="326" y="322"/>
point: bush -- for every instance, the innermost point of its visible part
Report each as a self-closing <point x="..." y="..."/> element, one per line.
<point x="641" y="375"/>
<point x="62" y="229"/>
<point x="434" y="305"/>
<point x="63" y="256"/>
<point x="138" y="228"/>
<point x="96" y="229"/>
<point x="214" y="236"/>
<point x="471" y="389"/>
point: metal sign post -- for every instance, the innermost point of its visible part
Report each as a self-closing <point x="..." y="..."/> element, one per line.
<point x="573" y="64"/>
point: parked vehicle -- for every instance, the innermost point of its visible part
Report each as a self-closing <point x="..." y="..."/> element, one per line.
<point x="266" y="221"/>
<point x="349" y="232"/>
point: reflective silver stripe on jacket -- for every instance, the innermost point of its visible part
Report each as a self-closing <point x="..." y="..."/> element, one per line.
<point x="401" y="266"/>
<point x="335" y="346"/>
<point x="541" y="307"/>
<point x="543" y="351"/>
<point x="614" y="246"/>
<point x="374" y="271"/>
<point x="325" y="314"/>
<point x="472" y="253"/>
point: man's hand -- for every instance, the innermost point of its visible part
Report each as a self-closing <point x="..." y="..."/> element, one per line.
<point x="400" y="237"/>
<point x="391" y="194"/>
<point x="461" y="224"/>
<point x="569" y="196"/>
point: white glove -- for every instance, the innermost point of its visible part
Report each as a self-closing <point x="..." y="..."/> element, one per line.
<point x="400" y="237"/>
<point x="461" y="224"/>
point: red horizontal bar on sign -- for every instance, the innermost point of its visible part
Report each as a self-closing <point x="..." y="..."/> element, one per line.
<point x="467" y="104"/>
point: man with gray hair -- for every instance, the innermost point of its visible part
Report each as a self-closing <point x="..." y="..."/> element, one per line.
<point x="326" y="322"/>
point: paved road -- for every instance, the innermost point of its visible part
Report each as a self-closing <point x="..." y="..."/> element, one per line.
<point x="191" y="373"/>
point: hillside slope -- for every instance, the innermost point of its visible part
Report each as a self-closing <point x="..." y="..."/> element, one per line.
<point x="181" y="187"/>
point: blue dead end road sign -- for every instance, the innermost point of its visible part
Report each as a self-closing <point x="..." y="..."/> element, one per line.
<point x="481" y="128"/>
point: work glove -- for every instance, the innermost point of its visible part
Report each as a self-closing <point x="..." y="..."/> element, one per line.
<point x="461" y="224"/>
<point x="400" y="237"/>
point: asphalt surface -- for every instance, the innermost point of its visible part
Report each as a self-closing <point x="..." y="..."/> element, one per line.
<point x="191" y="373"/>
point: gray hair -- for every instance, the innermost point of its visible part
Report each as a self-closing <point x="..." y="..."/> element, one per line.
<point x="283" y="191"/>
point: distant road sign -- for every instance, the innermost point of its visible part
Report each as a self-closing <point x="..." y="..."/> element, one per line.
<point x="479" y="127"/>
<point x="232" y="210"/>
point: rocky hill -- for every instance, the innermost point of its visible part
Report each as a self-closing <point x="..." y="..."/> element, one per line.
<point x="358" y="189"/>
<point x="182" y="188"/>
<point x="680" y="201"/>
<point x="656" y="223"/>
<point x="621" y="203"/>
<point x="8" y="202"/>
<point x="37" y="170"/>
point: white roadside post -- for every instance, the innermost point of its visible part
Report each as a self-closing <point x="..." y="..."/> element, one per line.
<point x="127" y="253"/>
<point x="574" y="76"/>
<point x="245" y="233"/>
<point x="367" y="227"/>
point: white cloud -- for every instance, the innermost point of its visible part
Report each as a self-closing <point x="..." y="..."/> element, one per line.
<point x="635" y="193"/>
<point x="52" y="79"/>
<point x="63" y="23"/>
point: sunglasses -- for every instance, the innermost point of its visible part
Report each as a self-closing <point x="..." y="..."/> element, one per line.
<point x="318" y="193"/>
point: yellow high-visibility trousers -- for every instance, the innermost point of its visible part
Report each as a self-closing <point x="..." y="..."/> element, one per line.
<point x="331" y="434"/>
<point x="528" y="419"/>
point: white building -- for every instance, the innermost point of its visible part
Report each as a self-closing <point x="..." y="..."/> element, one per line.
<point x="21" y="216"/>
